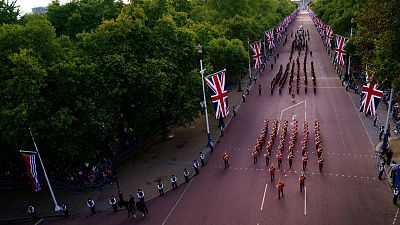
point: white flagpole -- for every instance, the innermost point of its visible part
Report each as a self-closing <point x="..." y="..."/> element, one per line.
<point x="248" y="47"/>
<point x="57" y="207"/>
<point x="205" y="104"/>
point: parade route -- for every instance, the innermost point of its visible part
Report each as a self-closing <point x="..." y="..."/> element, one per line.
<point x="346" y="192"/>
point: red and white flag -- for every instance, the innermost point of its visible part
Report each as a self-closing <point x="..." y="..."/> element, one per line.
<point x="256" y="49"/>
<point x="30" y="162"/>
<point x="370" y="98"/>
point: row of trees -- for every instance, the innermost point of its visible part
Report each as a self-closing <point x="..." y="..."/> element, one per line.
<point x="92" y="71"/>
<point x="376" y="40"/>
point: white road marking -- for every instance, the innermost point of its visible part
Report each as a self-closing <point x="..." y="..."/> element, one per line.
<point x="265" y="190"/>
<point x="179" y="199"/>
<point x="395" y="217"/>
<point x="305" y="201"/>
<point x="38" y="222"/>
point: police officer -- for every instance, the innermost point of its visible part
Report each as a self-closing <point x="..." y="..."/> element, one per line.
<point x="381" y="170"/>
<point x="91" y="204"/>
<point x="196" y="164"/>
<point x="64" y="209"/>
<point x="186" y="175"/>
<point x="160" y="188"/>
<point x="113" y="202"/>
<point x="32" y="211"/>
<point x="173" y="181"/>
<point x="395" y="195"/>
<point x="140" y="195"/>
<point x="202" y="159"/>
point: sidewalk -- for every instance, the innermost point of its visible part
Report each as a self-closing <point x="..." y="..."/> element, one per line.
<point x="158" y="160"/>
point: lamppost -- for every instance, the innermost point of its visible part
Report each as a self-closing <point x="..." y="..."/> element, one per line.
<point x="204" y="103"/>
<point x="349" y="64"/>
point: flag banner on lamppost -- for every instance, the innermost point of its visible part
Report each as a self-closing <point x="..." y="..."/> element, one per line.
<point x="340" y="49"/>
<point x="257" y="55"/>
<point x="30" y="163"/>
<point x="219" y="95"/>
<point x="328" y="36"/>
<point x="370" y="98"/>
<point x="269" y="35"/>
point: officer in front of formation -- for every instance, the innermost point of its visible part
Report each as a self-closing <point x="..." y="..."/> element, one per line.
<point x="91" y="204"/>
<point x="113" y="202"/>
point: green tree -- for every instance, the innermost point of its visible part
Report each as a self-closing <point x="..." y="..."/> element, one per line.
<point x="9" y="12"/>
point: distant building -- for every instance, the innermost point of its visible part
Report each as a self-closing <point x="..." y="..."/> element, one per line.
<point x="39" y="9"/>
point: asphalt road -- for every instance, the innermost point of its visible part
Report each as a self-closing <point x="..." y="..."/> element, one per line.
<point x="347" y="192"/>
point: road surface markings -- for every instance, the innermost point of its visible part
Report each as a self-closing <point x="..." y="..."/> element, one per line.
<point x="179" y="199"/>
<point x="38" y="222"/>
<point x="265" y="191"/>
<point x="395" y="217"/>
<point x="305" y="201"/>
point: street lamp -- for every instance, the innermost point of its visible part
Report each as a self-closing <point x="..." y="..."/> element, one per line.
<point x="349" y="64"/>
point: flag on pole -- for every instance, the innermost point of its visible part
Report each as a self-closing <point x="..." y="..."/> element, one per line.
<point x="370" y="98"/>
<point x="219" y="96"/>
<point x="270" y="38"/>
<point x="340" y="52"/>
<point x="256" y="49"/>
<point x="328" y="36"/>
<point x="30" y="163"/>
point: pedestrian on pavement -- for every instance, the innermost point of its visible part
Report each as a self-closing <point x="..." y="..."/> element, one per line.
<point x="32" y="211"/>
<point x="196" y="164"/>
<point x="173" y="182"/>
<point x="131" y="206"/>
<point x="277" y="55"/>
<point x="381" y="130"/>
<point x="91" y="204"/>
<point x="305" y="160"/>
<point x="226" y="160"/>
<point x="381" y="170"/>
<point x="248" y="90"/>
<point x="302" y="180"/>
<point x="113" y="202"/>
<point x="64" y="208"/>
<point x="259" y="89"/>
<point x="272" y="172"/>
<point x="255" y="79"/>
<point x="234" y="111"/>
<point x="395" y="195"/>
<point x="375" y="119"/>
<point x="202" y="159"/>
<point x="140" y="195"/>
<point x="243" y="97"/>
<point x="160" y="188"/>
<point x="266" y="156"/>
<point x="290" y="158"/>
<point x="320" y="163"/>
<point x="280" y="185"/>
<point x="186" y="175"/>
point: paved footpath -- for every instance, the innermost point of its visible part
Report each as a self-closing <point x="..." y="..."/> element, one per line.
<point x="346" y="192"/>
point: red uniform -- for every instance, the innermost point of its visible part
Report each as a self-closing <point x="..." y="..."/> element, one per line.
<point x="280" y="187"/>
<point x="226" y="160"/>
<point x="305" y="159"/>
<point x="302" y="180"/>
<point x="320" y="164"/>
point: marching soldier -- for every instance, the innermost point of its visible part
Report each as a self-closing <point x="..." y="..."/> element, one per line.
<point x="32" y="211"/>
<point x="302" y="180"/>
<point x="255" y="156"/>
<point x="319" y="151"/>
<point x="226" y="160"/>
<point x="173" y="182"/>
<point x="113" y="202"/>
<point x="91" y="204"/>
<point x="272" y="172"/>
<point x="305" y="160"/>
<point x="160" y="188"/>
<point x="202" y="159"/>
<point x="140" y="195"/>
<point x="279" y="156"/>
<point x="267" y="154"/>
<point x="186" y="175"/>
<point x="196" y="166"/>
<point x="280" y="185"/>
<point x="290" y="158"/>
<point x="320" y="163"/>
<point x="64" y="209"/>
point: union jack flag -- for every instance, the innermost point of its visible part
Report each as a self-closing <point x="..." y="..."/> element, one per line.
<point x="370" y="98"/>
<point x="328" y="36"/>
<point x="270" y="38"/>
<point x="279" y="31"/>
<point x="30" y="163"/>
<point x="256" y="49"/>
<point x="219" y="96"/>
<point x="340" y="52"/>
